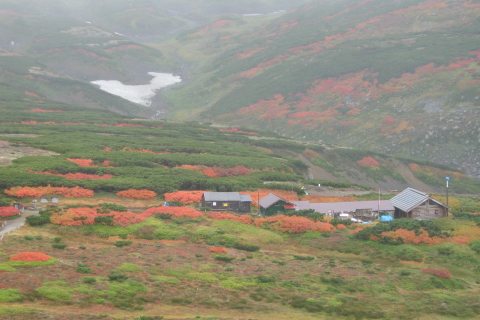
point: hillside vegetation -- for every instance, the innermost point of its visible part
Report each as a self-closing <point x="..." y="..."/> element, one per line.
<point x="398" y="77"/>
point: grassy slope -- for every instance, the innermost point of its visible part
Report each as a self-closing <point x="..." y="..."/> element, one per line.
<point x="182" y="280"/>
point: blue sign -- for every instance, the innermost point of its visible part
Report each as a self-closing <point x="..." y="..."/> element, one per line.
<point x="447" y="178"/>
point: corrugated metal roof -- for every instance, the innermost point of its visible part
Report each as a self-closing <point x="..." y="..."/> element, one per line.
<point x="221" y="196"/>
<point x="408" y="199"/>
<point x="270" y="200"/>
<point x="351" y="206"/>
<point x="245" y="198"/>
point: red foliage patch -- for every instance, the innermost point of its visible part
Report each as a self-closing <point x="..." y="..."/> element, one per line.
<point x="246" y="219"/>
<point x="368" y="162"/>
<point x="218" y="250"/>
<point x="187" y="197"/>
<point x="30" y="256"/>
<point x="137" y="194"/>
<point x="6" y="212"/>
<point x="36" y="192"/>
<point x="294" y="224"/>
<point x="438" y="272"/>
<point x="83" y="162"/>
<point x="86" y="216"/>
<point x="79" y="175"/>
<point x="176" y="212"/>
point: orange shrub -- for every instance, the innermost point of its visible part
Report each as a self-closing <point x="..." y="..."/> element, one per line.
<point x="137" y="194"/>
<point x="6" y="212"/>
<point x="294" y="224"/>
<point x="82" y="162"/>
<point x="218" y="250"/>
<point x="176" y="212"/>
<point x="30" y="256"/>
<point x="186" y="197"/>
<point x="75" y="192"/>
<point x="28" y="192"/>
<point x="246" y="219"/>
<point x="86" y="216"/>
<point x="79" y="175"/>
<point x="368" y="162"/>
<point x="341" y="226"/>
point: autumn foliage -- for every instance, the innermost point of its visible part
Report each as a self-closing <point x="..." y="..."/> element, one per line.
<point x="30" y="256"/>
<point x="368" y="162"/>
<point x="82" y="162"/>
<point x="245" y="219"/>
<point x="79" y="175"/>
<point x="438" y="272"/>
<point x="218" y="250"/>
<point x="86" y="216"/>
<point x="187" y="197"/>
<point x="6" y="212"/>
<point x="420" y="236"/>
<point x="294" y="224"/>
<point x="137" y="194"/>
<point x="176" y="212"/>
<point x="36" y="192"/>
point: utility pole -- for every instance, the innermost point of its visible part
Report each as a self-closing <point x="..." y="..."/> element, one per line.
<point x="447" y="179"/>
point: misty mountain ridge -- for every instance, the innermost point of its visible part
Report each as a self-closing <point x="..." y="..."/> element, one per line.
<point x="396" y="77"/>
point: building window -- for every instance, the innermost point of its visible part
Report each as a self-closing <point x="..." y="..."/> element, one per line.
<point x="214" y="204"/>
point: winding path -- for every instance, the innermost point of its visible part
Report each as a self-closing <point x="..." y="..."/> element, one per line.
<point x="17" y="223"/>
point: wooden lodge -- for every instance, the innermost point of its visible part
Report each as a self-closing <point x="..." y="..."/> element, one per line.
<point x="227" y="201"/>
<point x="414" y="204"/>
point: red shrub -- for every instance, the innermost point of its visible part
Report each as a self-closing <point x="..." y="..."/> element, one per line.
<point x="246" y="219"/>
<point x="176" y="212"/>
<point x="137" y="194"/>
<point x="6" y="212"/>
<point x="438" y="272"/>
<point x="78" y="175"/>
<point x="75" y="192"/>
<point x="30" y="256"/>
<point x="218" y="250"/>
<point x="341" y="226"/>
<point x="83" y="162"/>
<point x="368" y="162"/>
<point x="186" y="197"/>
<point x="294" y="224"/>
<point x="86" y="216"/>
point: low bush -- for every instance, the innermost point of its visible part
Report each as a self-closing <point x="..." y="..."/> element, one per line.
<point x="306" y="258"/>
<point x="60" y="246"/>
<point x="223" y="258"/>
<point x="117" y="276"/>
<point x="122" y="243"/>
<point x="89" y="280"/>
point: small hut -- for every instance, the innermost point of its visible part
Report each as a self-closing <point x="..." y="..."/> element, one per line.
<point x="414" y="204"/>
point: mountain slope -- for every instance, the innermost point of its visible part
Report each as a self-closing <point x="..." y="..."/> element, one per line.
<point x="399" y="77"/>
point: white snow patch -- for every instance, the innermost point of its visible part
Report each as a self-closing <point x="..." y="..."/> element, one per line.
<point x="141" y="94"/>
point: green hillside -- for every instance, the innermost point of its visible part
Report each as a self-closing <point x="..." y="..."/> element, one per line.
<point x="397" y="77"/>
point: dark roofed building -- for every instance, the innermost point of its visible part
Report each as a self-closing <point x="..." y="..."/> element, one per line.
<point x="414" y="204"/>
<point x="227" y="201"/>
<point x="272" y="204"/>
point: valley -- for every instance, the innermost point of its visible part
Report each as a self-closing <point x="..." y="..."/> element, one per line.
<point x="117" y="117"/>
